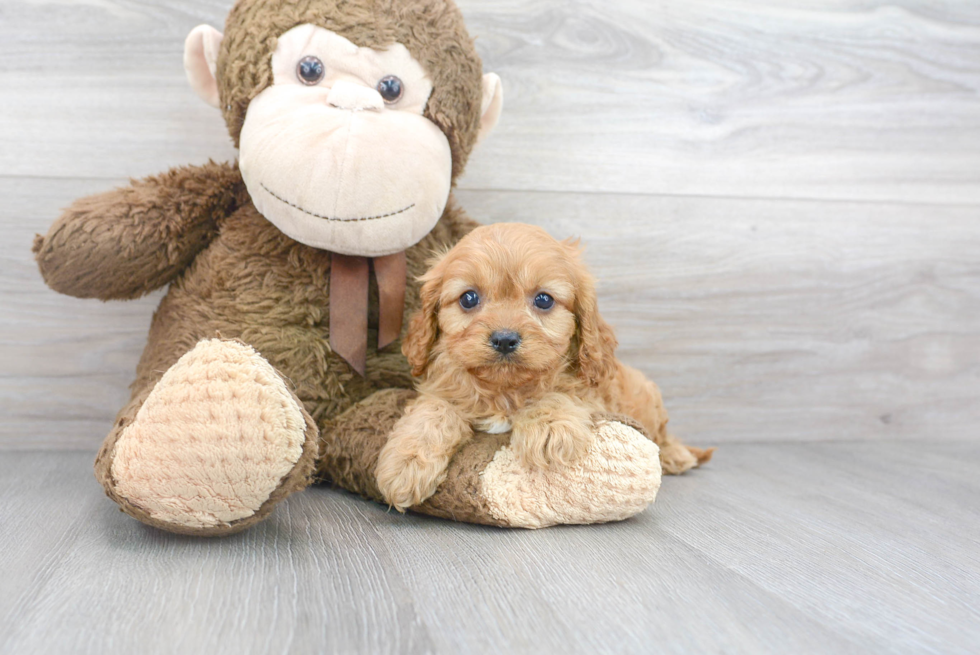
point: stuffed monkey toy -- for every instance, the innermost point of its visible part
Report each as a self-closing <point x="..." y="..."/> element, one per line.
<point x="274" y="358"/>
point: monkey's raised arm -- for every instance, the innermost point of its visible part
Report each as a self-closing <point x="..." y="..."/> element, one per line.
<point x="127" y="242"/>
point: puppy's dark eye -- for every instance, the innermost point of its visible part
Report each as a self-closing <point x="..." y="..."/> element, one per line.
<point x="544" y="301"/>
<point x="469" y="300"/>
<point x="309" y="70"/>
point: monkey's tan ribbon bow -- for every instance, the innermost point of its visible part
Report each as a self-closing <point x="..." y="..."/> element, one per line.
<point x="349" y="284"/>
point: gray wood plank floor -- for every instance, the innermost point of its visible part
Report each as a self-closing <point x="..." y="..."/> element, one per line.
<point x="777" y="548"/>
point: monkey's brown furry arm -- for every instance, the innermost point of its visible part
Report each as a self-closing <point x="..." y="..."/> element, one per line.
<point x="127" y="242"/>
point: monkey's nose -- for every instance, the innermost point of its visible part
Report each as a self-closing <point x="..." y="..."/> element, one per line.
<point x="354" y="97"/>
<point x="505" y="341"/>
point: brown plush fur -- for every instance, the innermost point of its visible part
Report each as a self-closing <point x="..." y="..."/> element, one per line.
<point x="251" y="283"/>
<point x="234" y="275"/>
<point x="125" y="243"/>
<point x="359" y="434"/>
<point x="563" y="372"/>
<point x="432" y="30"/>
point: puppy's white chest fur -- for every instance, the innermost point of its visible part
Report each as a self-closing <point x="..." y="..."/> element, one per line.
<point x="493" y="424"/>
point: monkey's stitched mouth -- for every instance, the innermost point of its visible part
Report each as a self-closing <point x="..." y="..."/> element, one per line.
<point x="334" y="218"/>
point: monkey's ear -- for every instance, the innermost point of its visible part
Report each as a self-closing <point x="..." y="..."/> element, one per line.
<point x="201" y="61"/>
<point x="492" y="105"/>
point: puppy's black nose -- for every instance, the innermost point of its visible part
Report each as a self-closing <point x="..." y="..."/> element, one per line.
<point x="505" y="341"/>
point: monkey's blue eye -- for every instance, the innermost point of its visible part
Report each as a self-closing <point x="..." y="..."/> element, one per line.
<point x="544" y="301"/>
<point x="309" y="70"/>
<point x="390" y="88"/>
<point x="469" y="300"/>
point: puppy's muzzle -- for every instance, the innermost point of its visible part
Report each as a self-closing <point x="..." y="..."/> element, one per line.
<point x="505" y="341"/>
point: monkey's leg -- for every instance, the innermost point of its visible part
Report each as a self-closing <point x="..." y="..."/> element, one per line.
<point x="212" y="446"/>
<point x="486" y="482"/>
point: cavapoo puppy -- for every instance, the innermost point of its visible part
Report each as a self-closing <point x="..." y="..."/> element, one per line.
<point x="509" y="339"/>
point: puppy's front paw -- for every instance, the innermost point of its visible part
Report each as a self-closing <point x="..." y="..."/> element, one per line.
<point x="557" y="442"/>
<point x="408" y="478"/>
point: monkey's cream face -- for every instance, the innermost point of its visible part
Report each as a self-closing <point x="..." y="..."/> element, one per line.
<point x="337" y="153"/>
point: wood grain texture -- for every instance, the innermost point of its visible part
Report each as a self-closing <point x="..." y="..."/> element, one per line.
<point x="760" y="319"/>
<point x="762" y="316"/>
<point x="844" y="99"/>
<point x="777" y="548"/>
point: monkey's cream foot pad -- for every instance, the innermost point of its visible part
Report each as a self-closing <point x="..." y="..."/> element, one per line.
<point x="215" y="438"/>
<point x="618" y="478"/>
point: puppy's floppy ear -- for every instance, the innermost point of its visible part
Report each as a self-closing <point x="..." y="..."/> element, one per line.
<point x="423" y="329"/>
<point x="596" y="341"/>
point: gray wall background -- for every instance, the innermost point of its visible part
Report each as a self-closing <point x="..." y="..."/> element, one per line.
<point x="781" y="200"/>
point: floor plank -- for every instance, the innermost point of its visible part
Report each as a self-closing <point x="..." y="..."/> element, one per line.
<point x="773" y="548"/>
<point x="841" y="100"/>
